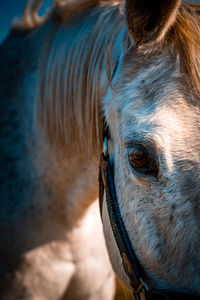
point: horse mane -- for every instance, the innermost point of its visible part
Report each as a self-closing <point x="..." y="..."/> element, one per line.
<point x="75" y="72"/>
<point x="186" y="41"/>
<point x="79" y="54"/>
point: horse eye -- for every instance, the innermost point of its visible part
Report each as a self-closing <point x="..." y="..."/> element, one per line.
<point x="140" y="160"/>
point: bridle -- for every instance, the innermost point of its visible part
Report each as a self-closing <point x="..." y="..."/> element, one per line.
<point x="140" y="284"/>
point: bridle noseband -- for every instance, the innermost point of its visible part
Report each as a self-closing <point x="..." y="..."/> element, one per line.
<point x="135" y="272"/>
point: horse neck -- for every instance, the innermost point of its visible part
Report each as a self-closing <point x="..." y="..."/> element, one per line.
<point x="68" y="181"/>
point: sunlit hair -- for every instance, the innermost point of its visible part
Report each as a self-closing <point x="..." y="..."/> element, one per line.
<point x="73" y="74"/>
<point x="186" y="39"/>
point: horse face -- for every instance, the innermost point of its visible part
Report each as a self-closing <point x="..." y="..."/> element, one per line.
<point x="155" y="151"/>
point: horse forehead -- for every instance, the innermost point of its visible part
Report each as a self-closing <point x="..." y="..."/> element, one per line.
<point x="152" y="84"/>
<point x="157" y="98"/>
<point x="153" y="100"/>
<point x="146" y="88"/>
<point x="172" y="122"/>
<point x="164" y="114"/>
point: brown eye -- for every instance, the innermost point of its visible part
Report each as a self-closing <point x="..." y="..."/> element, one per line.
<point x="140" y="160"/>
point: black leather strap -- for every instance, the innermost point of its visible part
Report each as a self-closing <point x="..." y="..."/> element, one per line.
<point x="130" y="262"/>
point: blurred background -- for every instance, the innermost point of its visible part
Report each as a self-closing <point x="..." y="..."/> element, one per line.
<point x="9" y="9"/>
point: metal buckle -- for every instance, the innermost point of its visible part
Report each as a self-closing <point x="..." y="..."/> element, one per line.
<point x="142" y="288"/>
<point x="105" y="146"/>
<point x="144" y="285"/>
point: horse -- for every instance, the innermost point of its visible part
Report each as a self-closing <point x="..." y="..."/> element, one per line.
<point x="52" y="244"/>
<point x="135" y="63"/>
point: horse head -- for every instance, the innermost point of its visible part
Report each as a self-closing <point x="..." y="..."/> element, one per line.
<point x="152" y="110"/>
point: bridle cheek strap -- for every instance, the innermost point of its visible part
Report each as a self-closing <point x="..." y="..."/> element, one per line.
<point x="130" y="262"/>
